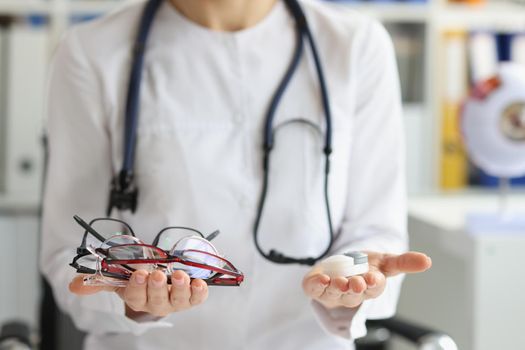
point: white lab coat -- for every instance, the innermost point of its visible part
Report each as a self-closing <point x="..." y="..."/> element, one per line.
<point x="198" y="164"/>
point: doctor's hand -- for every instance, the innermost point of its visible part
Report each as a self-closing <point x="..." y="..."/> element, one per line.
<point x="352" y="291"/>
<point x="150" y="295"/>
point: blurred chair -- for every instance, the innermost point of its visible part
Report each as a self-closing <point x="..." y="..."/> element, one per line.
<point x="58" y="333"/>
<point x="15" y="336"/>
<point x="380" y="333"/>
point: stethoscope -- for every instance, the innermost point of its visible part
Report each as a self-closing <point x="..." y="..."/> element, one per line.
<point x="124" y="191"/>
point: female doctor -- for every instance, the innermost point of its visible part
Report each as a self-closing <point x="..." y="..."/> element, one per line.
<point x="210" y="76"/>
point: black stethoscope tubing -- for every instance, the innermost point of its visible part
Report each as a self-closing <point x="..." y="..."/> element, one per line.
<point x="124" y="193"/>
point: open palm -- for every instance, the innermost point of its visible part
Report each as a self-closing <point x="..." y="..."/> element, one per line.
<point x="352" y="291"/>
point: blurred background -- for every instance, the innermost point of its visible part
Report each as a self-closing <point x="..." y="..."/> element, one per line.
<point x="473" y="292"/>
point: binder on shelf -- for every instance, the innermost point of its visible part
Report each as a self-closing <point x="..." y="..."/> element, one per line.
<point x="482" y="56"/>
<point x="3" y="117"/>
<point x="468" y="2"/>
<point x="518" y="48"/>
<point x="408" y="39"/>
<point x="409" y="44"/>
<point x="504" y="42"/>
<point x="454" y="164"/>
<point x="379" y="1"/>
<point x="27" y="65"/>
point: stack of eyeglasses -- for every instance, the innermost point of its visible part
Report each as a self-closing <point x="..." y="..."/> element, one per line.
<point x="110" y="252"/>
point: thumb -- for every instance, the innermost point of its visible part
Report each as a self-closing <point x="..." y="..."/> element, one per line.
<point x="78" y="287"/>
<point x="410" y="262"/>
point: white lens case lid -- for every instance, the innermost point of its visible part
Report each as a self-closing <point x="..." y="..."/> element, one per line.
<point x="345" y="265"/>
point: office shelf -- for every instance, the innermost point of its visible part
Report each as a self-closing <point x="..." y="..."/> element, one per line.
<point x="499" y="16"/>
<point x="23" y="7"/>
<point x="98" y="6"/>
<point x="402" y="12"/>
<point x="432" y="18"/>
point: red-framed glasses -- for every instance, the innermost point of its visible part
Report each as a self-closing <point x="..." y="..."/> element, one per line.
<point x="112" y="260"/>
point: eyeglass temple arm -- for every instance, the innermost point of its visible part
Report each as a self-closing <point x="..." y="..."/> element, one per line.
<point x="217" y="280"/>
<point x="83" y="269"/>
<point x="88" y="228"/>
<point x="212" y="235"/>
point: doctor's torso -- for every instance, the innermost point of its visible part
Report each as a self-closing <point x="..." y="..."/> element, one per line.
<point x="198" y="160"/>
<point x="203" y="103"/>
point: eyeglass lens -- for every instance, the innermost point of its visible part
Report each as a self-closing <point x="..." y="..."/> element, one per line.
<point x="107" y="228"/>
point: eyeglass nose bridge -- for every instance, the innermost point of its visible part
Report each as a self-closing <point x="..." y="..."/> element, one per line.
<point x="157" y="239"/>
<point x="93" y="250"/>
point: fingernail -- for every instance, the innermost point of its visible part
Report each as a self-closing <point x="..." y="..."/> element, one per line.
<point x="140" y="279"/>
<point x="197" y="288"/>
<point x="178" y="281"/>
<point x="323" y="283"/>
<point x="158" y="281"/>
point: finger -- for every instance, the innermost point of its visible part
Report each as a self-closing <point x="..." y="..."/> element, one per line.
<point x="158" y="296"/>
<point x="357" y="284"/>
<point x="77" y="287"/>
<point x="337" y="287"/>
<point x="373" y="279"/>
<point x="135" y="294"/>
<point x="375" y="282"/>
<point x="180" y="290"/>
<point x="354" y="296"/>
<point x="315" y="285"/>
<point x="410" y="262"/>
<point x="199" y="292"/>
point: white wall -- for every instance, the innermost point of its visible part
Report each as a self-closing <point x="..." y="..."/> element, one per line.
<point x="19" y="277"/>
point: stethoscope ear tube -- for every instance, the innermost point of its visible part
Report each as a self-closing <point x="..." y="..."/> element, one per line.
<point x="124" y="193"/>
<point x="133" y="99"/>
<point x="304" y="30"/>
<point x="274" y="103"/>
